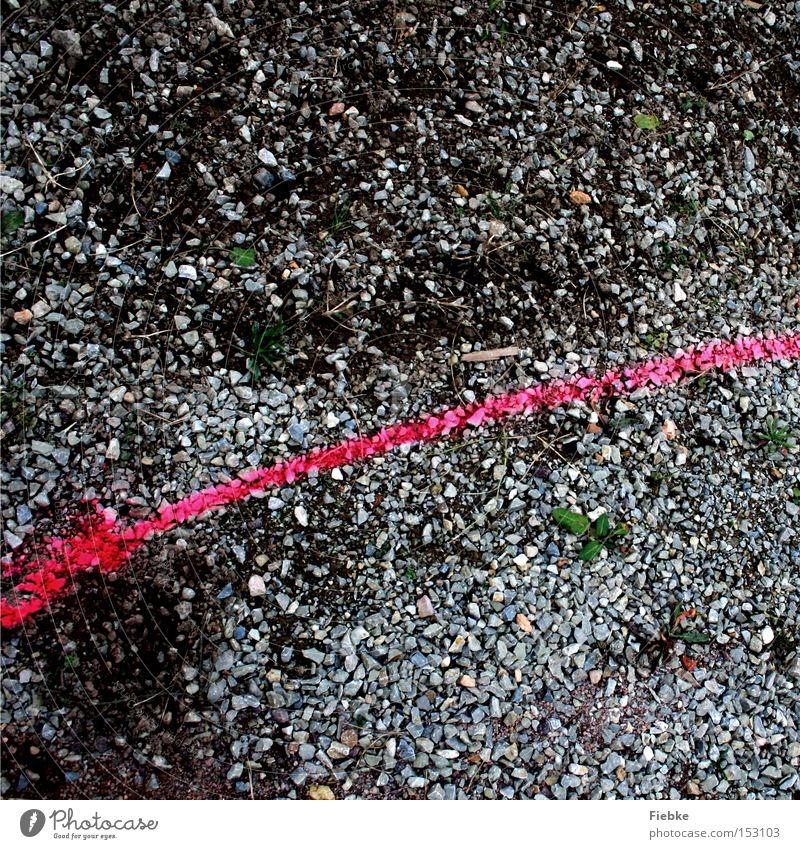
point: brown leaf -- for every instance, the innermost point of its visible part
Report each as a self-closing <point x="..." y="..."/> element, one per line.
<point x="462" y="190"/>
<point x="686" y="614"/>
<point x="593" y="428"/>
<point x="579" y="198"/>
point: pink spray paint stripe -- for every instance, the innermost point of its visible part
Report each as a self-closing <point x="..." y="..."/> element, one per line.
<point x="104" y="544"/>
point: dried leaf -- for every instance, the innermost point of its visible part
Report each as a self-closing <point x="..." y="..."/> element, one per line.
<point x="686" y="614"/>
<point x="579" y="198"/>
<point x="669" y="429"/>
<point x="462" y="190"/>
<point x="688" y="663"/>
<point x="492" y="354"/>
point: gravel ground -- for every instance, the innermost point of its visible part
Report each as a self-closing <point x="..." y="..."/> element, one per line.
<point x="392" y="186"/>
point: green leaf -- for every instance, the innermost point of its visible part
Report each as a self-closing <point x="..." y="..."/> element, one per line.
<point x="574" y="522"/>
<point x="693" y="637"/>
<point x="601" y="526"/>
<point x="243" y="257"/>
<point x="591" y="550"/>
<point x="749" y="135"/>
<point x="620" y="530"/>
<point x="12" y="222"/>
<point x="646" y="122"/>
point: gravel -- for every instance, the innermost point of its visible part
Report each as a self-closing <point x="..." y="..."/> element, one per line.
<point x="396" y="189"/>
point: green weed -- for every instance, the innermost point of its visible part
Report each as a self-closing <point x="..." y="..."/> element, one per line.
<point x="266" y="347"/>
<point x="243" y="257"/>
<point x="676" y="620"/>
<point x="674" y="256"/>
<point x="775" y="436"/>
<point x="697" y="104"/>
<point x="600" y="534"/>
<point x="11" y="222"/>
<point x="13" y="403"/>
<point x="683" y="206"/>
<point x="656" y="341"/>
<point x="341" y="216"/>
<point x="646" y="122"/>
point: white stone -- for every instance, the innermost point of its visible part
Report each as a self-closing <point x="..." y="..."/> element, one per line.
<point x="9" y="184"/>
<point x="256" y="586"/>
<point x="268" y="158"/>
<point x="424" y="606"/>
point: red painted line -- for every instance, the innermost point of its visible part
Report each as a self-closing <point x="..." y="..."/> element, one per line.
<point x="104" y="544"/>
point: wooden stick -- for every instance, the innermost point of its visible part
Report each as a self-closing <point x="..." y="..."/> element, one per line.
<point x="493" y="354"/>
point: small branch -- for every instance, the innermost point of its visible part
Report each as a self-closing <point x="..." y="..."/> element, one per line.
<point x="493" y="354"/>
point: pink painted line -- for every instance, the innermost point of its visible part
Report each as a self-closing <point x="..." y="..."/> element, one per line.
<point x="104" y="544"/>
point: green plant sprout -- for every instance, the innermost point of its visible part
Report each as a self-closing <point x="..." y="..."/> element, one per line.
<point x="646" y="122"/>
<point x="600" y="533"/>
<point x="341" y="216"/>
<point x="776" y="436"/>
<point x="266" y="347"/>
<point x="679" y="615"/>
<point x="243" y="257"/>
<point x="11" y="222"/>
